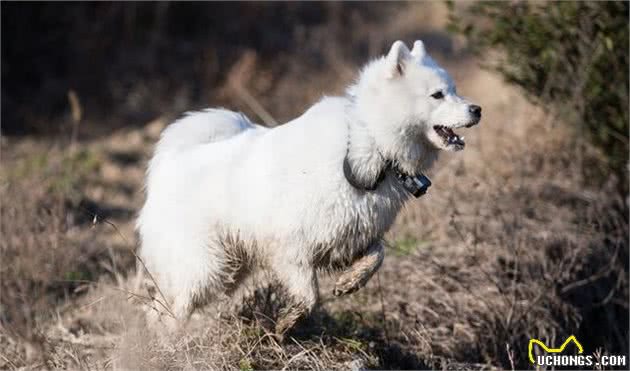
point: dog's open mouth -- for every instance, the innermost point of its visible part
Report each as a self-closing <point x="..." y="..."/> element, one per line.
<point x="449" y="136"/>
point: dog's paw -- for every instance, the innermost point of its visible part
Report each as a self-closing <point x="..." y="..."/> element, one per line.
<point x="344" y="291"/>
<point x="359" y="273"/>
<point x="347" y="284"/>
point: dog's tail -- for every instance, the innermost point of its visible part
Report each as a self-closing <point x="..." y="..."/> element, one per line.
<point x="211" y="125"/>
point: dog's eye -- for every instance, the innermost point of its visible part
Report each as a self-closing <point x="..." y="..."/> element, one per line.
<point x="437" y="95"/>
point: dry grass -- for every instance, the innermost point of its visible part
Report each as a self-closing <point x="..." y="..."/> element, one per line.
<point x="510" y="243"/>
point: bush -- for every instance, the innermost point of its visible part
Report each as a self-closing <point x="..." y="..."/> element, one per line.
<point x="571" y="57"/>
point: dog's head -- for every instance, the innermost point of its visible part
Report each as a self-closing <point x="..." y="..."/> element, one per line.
<point x="410" y="106"/>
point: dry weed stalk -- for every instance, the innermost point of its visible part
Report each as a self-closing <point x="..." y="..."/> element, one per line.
<point x="77" y="113"/>
<point x="163" y="302"/>
<point x="237" y="78"/>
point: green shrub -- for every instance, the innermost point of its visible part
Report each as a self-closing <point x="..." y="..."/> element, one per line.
<point x="569" y="56"/>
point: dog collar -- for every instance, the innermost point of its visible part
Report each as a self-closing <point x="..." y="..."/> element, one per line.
<point x="417" y="185"/>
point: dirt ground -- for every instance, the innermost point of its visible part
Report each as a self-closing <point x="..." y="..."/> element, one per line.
<point x="510" y="243"/>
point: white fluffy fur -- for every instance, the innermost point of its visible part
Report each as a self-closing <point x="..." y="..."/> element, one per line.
<point x="223" y="192"/>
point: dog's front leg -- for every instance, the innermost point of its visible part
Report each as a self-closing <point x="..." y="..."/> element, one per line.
<point x="360" y="272"/>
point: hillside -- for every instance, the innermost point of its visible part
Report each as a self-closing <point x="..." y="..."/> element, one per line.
<point x="509" y="244"/>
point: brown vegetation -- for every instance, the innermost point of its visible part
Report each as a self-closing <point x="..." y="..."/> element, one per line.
<point x="510" y="243"/>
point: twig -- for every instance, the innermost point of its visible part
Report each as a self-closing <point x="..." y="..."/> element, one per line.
<point x="241" y="72"/>
<point x="77" y="114"/>
<point x="594" y="277"/>
<point x="510" y="354"/>
<point x="255" y="106"/>
<point x="92" y="303"/>
<point x="9" y="362"/>
<point x="95" y="220"/>
<point x="380" y="294"/>
<point x="147" y="298"/>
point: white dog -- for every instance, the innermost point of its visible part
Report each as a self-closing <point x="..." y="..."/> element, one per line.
<point x="225" y="196"/>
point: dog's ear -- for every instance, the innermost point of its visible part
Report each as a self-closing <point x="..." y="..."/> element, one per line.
<point x="396" y="58"/>
<point x="418" y="52"/>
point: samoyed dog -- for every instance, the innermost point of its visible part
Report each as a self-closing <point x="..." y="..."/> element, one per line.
<point x="226" y="196"/>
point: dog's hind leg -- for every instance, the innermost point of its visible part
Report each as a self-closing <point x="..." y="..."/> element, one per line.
<point x="186" y="283"/>
<point x="361" y="270"/>
<point x="300" y="281"/>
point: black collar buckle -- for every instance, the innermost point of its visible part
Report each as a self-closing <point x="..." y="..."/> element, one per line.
<point x="417" y="185"/>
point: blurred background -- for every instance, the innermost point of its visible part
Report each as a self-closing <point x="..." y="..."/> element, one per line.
<point x="524" y="234"/>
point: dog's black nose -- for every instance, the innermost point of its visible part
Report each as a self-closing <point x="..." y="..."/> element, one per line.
<point x="474" y="109"/>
